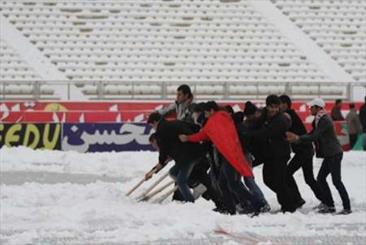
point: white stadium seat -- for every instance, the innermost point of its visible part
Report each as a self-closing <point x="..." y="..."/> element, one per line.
<point x="337" y="26"/>
<point x="139" y="42"/>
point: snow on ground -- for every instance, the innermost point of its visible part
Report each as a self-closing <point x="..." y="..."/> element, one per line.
<point x="52" y="197"/>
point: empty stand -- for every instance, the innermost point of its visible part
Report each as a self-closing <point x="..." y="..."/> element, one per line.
<point x="12" y="67"/>
<point x="143" y="49"/>
<point x="17" y="76"/>
<point x="205" y="41"/>
<point x="339" y="27"/>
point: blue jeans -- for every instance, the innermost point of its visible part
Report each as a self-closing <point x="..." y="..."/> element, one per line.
<point x="255" y="190"/>
<point x="180" y="172"/>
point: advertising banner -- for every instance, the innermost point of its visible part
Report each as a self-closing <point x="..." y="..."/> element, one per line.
<point x="91" y="137"/>
<point x="33" y="135"/>
<point x="63" y="106"/>
<point x="111" y="112"/>
<point x="97" y="137"/>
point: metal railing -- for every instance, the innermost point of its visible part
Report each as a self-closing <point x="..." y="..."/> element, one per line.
<point x="153" y="90"/>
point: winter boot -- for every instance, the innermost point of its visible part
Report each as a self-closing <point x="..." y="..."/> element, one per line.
<point x="327" y="210"/>
<point x="320" y="206"/>
<point x="223" y="210"/>
<point x="300" y="203"/>
<point x="345" y="212"/>
<point x="265" y="208"/>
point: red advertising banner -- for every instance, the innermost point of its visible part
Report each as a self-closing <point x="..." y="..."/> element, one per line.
<point x="65" y="117"/>
<point x="124" y="111"/>
<point x="55" y="106"/>
<point x="62" y="106"/>
<point x="134" y="111"/>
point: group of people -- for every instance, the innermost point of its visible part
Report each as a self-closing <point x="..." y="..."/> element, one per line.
<point x="216" y="148"/>
<point x="356" y="122"/>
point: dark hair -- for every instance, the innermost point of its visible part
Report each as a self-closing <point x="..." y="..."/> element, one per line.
<point x="229" y="109"/>
<point x="352" y="105"/>
<point x="198" y="107"/>
<point x="185" y="90"/>
<point x="210" y="105"/>
<point x="272" y="100"/>
<point x="238" y="117"/>
<point x="249" y="108"/>
<point x="152" y="137"/>
<point x="154" y="117"/>
<point x="338" y="101"/>
<point x="285" y="99"/>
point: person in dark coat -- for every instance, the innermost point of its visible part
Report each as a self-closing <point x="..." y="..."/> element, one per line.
<point x="328" y="148"/>
<point x="198" y="116"/>
<point x="198" y="177"/>
<point x="362" y="116"/>
<point x="236" y="116"/>
<point x="304" y="152"/>
<point x="276" y="153"/>
<point x="336" y="113"/>
<point x="185" y="155"/>
<point x="252" y="121"/>
<point x="354" y="125"/>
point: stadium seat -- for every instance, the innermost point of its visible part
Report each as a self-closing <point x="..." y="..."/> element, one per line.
<point x="137" y="43"/>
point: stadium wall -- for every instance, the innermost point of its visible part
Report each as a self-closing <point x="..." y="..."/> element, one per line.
<point x="97" y="126"/>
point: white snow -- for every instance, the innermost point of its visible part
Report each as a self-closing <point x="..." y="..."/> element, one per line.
<point x="56" y="206"/>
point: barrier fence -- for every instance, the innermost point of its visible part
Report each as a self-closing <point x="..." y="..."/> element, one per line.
<point x="98" y="126"/>
<point x="81" y="137"/>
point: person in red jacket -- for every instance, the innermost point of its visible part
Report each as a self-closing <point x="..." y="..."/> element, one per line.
<point x="221" y="130"/>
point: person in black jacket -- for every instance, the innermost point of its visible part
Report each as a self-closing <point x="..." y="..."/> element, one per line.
<point x="304" y="153"/>
<point x="362" y="116"/>
<point x="198" y="177"/>
<point x="336" y="112"/>
<point x="329" y="148"/>
<point x="275" y="153"/>
<point x="253" y="121"/>
<point x="185" y="155"/>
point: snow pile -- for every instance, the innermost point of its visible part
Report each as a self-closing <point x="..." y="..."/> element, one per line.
<point x="98" y="211"/>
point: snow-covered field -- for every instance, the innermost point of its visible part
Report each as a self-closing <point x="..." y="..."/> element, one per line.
<point x="51" y="197"/>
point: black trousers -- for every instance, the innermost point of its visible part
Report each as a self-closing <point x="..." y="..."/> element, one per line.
<point x="303" y="160"/>
<point x="275" y="177"/>
<point x="332" y="165"/>
<point x="225" y="199"/>
<point x="353" y="139"/>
